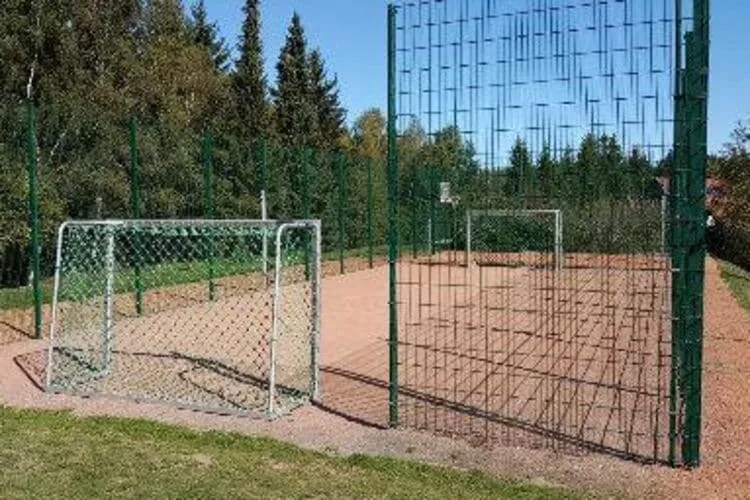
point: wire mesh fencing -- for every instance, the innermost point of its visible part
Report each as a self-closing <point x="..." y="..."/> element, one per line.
<point x="128" y="172"/>
<point x="546" y="170"/>
<point x="214" y="315"/>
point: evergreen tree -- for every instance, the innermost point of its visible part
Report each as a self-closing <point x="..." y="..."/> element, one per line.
<point x="296" y="123"/>
<point x="329" y="113"/>
<point x="546" y="170"/>
<point x="610" y="176"/>
<point x="519" y="176"/>
<point x="206" y="34"/>
<point x="165" y="18"/>
<point x="586" y="167"/>
<point x="567" y="175"/>
<point x="639" y="173"/>
<point x="250" y="85"/>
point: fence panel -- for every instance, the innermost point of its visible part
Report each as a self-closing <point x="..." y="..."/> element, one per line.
<point x="524" y="112"/>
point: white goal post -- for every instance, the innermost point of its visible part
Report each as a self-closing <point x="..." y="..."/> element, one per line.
<point x="139" y="307"/>
<point x="557" y="215"/>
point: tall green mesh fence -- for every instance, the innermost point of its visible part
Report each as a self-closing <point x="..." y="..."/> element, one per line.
<point x="132" y="169"/>
<point x="511" y="325"/>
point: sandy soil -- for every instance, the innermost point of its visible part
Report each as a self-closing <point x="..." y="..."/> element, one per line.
<point x="353" y="409"/>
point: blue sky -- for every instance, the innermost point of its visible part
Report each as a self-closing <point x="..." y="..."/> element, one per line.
<point x="351" y="35"/>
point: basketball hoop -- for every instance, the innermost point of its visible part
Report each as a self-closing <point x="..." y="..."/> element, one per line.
<point x="445" y="194"/>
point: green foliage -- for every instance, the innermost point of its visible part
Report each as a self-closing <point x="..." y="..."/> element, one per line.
<point x="206" y="34"/>
<point x="307" y="108"/>
<point x="733" y="168"/>
<point x="730" y="238"/>
<point x="520" y="175"/>
<point x="329" y="113"/>
<point x="249" y="80"/>
<point x="165" y="19"/>
<point x="295" y="113"/>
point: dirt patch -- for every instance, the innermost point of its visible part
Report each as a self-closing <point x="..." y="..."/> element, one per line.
<point x="354" y="405"/>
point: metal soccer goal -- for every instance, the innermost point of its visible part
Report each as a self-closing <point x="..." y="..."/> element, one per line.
<point x="490" y="233"/>
<point x="217" y="315"/>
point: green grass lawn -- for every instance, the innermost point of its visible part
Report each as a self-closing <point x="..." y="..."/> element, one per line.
<point x="739" y="282"/>
<point x="58" y="455"/>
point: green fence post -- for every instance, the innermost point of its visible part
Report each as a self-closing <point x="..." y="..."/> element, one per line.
<point x="35" y="246"/>
<point x="393" y="388"/>
<point x="413" y="205"/>
<point x="432" y="186"/>
<point x="675" y="246"/>
<point x="369" y="213"/>
<point x="341" y="182"/>
<point x="135" y="207"/>
<point x="262" y="159"/>
<point x="697" y="64"/>
<point x="208" y="206"/>
<point x="307" y="205"/>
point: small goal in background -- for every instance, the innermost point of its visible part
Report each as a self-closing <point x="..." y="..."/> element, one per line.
<point x="500" y="237"/>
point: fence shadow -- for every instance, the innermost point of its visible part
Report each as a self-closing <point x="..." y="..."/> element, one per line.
<point x="356" y="388"/>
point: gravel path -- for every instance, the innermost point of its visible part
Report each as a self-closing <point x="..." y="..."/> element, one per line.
<point x="354" y="358"/>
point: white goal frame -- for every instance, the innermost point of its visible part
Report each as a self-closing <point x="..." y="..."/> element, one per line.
<point x="272" y="230"/>
<point x="558" y="218"/>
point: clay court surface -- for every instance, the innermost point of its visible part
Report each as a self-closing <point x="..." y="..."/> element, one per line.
<point x="509" y="372"/>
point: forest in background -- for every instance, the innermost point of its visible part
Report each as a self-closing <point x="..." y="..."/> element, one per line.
<point x="92" y="66"/>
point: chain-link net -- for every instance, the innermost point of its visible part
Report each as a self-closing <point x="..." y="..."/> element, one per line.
<point x="215" y="315"/>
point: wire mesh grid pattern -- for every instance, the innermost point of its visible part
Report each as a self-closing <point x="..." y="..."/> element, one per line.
<point x="222" y="316"/>
<point x="562" y="320"/>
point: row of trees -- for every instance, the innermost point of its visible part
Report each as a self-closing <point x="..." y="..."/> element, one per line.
<point x="89" y="67"/>
<point x="597" y="169"/>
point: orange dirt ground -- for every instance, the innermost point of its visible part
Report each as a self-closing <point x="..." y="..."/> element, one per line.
<point x="354" y="408"/>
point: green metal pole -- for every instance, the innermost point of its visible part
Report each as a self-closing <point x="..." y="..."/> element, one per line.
<point x="262" y="152"/>
<point x="369" y="213"/>
<point x="697" y="58"/>
<point x="264" y="165"/>
<point x="341" y="204"/>
<point x="433" y="208"/>
<point x="35" y="246"/>
<point x="307" y="205"/>
<point x="307" y="159"/>
<point x="393" y="416"/>
<point x="675" y="246"/>
<point x="208" y="206"/>
<point x="135" y="201"/>
<point x="413" y="199"/>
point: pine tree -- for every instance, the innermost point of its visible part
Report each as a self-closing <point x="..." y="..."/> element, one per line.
<point x="250" y="85"/>
<point x="611" y="176"/>
<point x="206" y="33"/>
<point x="329" y="113"/>
<point x="547" y="175"/>
<point x="639" y="174"/>
<point x="165" y="18"/>
<point x="519" y="181"/>
<point x="586" y="168"/>
<point x="296" y="122"/>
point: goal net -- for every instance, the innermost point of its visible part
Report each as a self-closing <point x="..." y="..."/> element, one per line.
<point x="222" y="316"/>
<point x="515" y="238"/>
